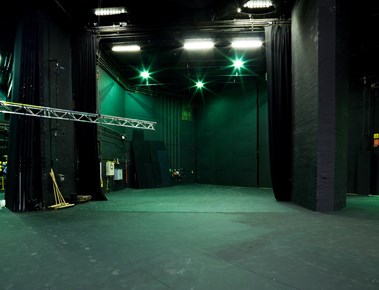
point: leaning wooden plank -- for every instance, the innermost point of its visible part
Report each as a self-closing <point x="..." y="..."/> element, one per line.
<point x="61" y="205"/>
<point x="59" y="200"/>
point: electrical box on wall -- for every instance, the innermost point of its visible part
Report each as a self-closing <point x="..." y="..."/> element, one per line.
<point x="117" y="174"/>
<point x="109" y="168"/>
<point x="375" y="143"/>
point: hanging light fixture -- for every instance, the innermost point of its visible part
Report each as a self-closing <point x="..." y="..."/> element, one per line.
<point x="257" y="7"/>
<point x="251" y="4"/>
<point x="126" y="48"/>
<point x="106" y="11"/>
<point x="246" y="43"/>
<point x="198" y="44"/>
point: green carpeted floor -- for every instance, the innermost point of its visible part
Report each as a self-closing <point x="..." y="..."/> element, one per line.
<point x="191" y="237"/>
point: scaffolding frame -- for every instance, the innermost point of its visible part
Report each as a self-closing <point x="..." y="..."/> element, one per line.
<point x="69" y="115"/>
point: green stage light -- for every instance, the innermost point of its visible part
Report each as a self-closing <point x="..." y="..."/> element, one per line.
<point x="145" y="74"/>
<point x="199" y="84"/>
<point x="238" y="63"/>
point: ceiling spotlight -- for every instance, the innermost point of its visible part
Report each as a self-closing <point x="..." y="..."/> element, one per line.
<point x="109" y="11"/>
<point x="145" y="74"/>
<point x="123" y="48"/>
<point x="199" y="84"/>
<point x="256" y="7"/>
<point x="198" y="44"/>
<point x="247" y="43"/>
<point x="251" y="4"/>
<point x="238" y="63"/>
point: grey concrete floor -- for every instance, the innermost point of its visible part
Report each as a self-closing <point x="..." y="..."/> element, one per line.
<point x="191" y="237"/>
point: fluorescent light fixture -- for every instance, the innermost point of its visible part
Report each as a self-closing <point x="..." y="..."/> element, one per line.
<point x="247" y="43"/>
<point x="198" y="44"/>
<point x="109" y="11"/>
<point x="122" y="48"/>
<point x="258" y="4"/>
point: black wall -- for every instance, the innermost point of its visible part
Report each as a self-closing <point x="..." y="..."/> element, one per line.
<point x="305" y="106"/>
<point x="53" y="141"/>
<point x="363" y="159"/>
<point x="58" y="136"/>
<point x="357" y="108"/>
<point x="320" y="90"/>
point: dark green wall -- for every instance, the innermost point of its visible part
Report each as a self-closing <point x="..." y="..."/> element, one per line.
<point x="226" y="136"/>
<point x="112" y="146"/>
<point x="177" y="134"/>
<point x="226" y="145"/>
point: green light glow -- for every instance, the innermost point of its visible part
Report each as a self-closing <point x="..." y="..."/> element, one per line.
<point x="239" y="67"/>
<point x="238" y="63"/>
<point x="145" y="74"/>
<point x="199" y="84"/>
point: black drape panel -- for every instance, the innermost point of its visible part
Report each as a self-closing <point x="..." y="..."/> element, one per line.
<point x="85" y="99"/>
<point x="23" y="190"/>
<point x="278" y="57"/>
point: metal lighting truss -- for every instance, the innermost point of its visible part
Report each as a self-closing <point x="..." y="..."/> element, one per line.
<point x="60" y="114"/>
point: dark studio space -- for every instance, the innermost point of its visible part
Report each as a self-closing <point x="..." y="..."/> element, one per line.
<point x="200" y="145"/>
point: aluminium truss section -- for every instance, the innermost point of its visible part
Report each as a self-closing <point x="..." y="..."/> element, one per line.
<point x="60" y="114"/>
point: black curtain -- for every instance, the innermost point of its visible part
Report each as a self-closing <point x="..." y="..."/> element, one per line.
<point x="85" y="100"/>
<point x="23" y="189"/>
<point x="278" y="57"/>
